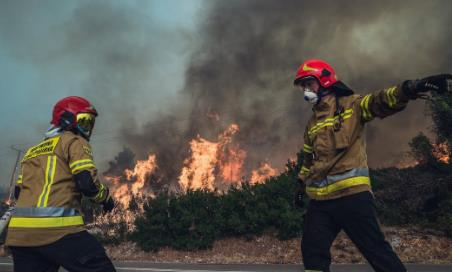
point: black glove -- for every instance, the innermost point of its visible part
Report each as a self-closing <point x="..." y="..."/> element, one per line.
<point x="108" y="204"/>
<point x="438" y="83"/>
<point x="299" y="195"/>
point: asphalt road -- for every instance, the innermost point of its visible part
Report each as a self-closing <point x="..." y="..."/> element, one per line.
<point x="6" y="265"/>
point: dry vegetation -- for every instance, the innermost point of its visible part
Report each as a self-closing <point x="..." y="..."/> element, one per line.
<point x="412" y="245"/>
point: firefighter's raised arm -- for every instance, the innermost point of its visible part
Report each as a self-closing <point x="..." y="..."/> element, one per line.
<point x="394" y="99"/>
<point x="383" y="103"/>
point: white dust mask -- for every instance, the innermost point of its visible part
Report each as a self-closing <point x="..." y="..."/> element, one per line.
<point x="310" y="96"/>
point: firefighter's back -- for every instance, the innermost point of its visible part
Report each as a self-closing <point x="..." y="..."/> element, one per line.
<point x="48" y="206"/>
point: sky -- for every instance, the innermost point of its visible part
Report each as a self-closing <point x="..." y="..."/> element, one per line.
<point x="52" y="49"/>
<point x="156" y="70"/>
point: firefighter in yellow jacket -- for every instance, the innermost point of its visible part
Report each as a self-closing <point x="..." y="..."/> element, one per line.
<point x="335" y="173"/>
<point x="47" y="229"/>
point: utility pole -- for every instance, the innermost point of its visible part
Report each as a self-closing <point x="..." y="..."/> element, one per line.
<point x="6" y="217"/>
<point x="11" y="182"/>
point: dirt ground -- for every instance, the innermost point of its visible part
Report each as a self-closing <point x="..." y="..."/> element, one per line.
<point x="412" y="245"/>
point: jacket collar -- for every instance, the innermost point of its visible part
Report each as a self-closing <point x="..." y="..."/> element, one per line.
<point x="326" y="104"/>
<point x="53" y="131"/>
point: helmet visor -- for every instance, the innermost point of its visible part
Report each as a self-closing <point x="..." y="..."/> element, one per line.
<point x="308" y="84"/>
<point x="302" y="82"/>
<point x="85" y="123"/>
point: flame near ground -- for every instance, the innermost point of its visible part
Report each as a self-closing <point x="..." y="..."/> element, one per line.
<point x="211" y="165"/>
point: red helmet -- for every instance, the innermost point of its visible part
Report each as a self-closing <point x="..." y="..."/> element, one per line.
<point x="74" y="112"/>
<point x="318" y="69"/>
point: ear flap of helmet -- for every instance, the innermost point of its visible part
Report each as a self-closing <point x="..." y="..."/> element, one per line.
<point x="340" y="89"/>
<point x="67" y="121"/>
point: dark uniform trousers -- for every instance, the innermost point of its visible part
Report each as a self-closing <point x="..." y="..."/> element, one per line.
<point x="356" y="215"/>
<point x="75" y="252"/>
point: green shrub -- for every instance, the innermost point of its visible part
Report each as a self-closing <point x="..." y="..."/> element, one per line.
<point x="196" y="219"/>
<point x="152" y="227"/>
<point x="417" y="196"/>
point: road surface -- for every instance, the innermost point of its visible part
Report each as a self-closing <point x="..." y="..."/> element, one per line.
<point x="6" y="265"/>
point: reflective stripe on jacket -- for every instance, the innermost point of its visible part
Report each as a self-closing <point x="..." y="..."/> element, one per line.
<point x="335" y="161"/>
<point x="48" y="217"/>
<point x="49" y="203"/>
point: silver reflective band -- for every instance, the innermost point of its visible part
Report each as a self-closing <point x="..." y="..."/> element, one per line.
<point x="356" y="172"/>
<point x="46" y="212"/>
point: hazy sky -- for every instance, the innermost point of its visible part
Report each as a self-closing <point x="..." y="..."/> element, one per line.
<point x="50" y="49"/>
<point x="146" y="65"/>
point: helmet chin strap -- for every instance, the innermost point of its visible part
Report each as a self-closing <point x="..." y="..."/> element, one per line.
<point x="78" y="130"/>
<point x="322" y="93"/>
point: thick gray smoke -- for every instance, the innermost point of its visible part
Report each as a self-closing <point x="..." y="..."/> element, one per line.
<point x="122" y="56"/>
<point x="248" y="55"/>
<point x="245" y="56"/>
<point x="114" y="53"/>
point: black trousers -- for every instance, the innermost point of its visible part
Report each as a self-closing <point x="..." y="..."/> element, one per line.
<point x="357" y="216"/>
<point x="75" y="252"/>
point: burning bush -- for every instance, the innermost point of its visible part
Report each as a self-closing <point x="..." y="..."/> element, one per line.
<point x="203" y="209"/>
<point x="195" y="219"/>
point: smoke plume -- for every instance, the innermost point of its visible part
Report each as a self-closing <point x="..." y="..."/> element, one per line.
<point x="122" y="56"/>
<point x="249" y="51"/>
<point x="243" y="61"/>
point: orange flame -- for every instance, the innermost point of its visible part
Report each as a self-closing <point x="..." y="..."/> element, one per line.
<point x="441" y="152"/>
<point x="231" y="168"/>
<point x="200" y="169"/>
<point x="264" y="172"/>
<point x="141" y="171"/>
<point x="231" y="156"/>
<point x="135" y="180"/>
<point x="211" y="165"/>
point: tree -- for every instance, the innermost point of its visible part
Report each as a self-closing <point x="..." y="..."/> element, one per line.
<point x="440" y="106"/>
<point x="422" y="149"/>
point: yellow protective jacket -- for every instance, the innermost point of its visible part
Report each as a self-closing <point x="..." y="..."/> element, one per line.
<point x="335" y="163"/>
<point x="49" y="204"/>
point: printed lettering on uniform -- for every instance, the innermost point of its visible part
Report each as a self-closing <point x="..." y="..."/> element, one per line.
<point x="87" y="150"/>
<point x="44" y="148"/>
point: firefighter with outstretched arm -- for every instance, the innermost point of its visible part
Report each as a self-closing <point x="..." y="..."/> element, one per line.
<point x="47" y="229"/>
<point x="335" y="174"/>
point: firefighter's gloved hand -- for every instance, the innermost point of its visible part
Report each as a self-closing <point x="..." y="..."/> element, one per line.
<point x="108" y="204"/>
<point x="437" y="83"/>
<point x="299" y="195"/>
